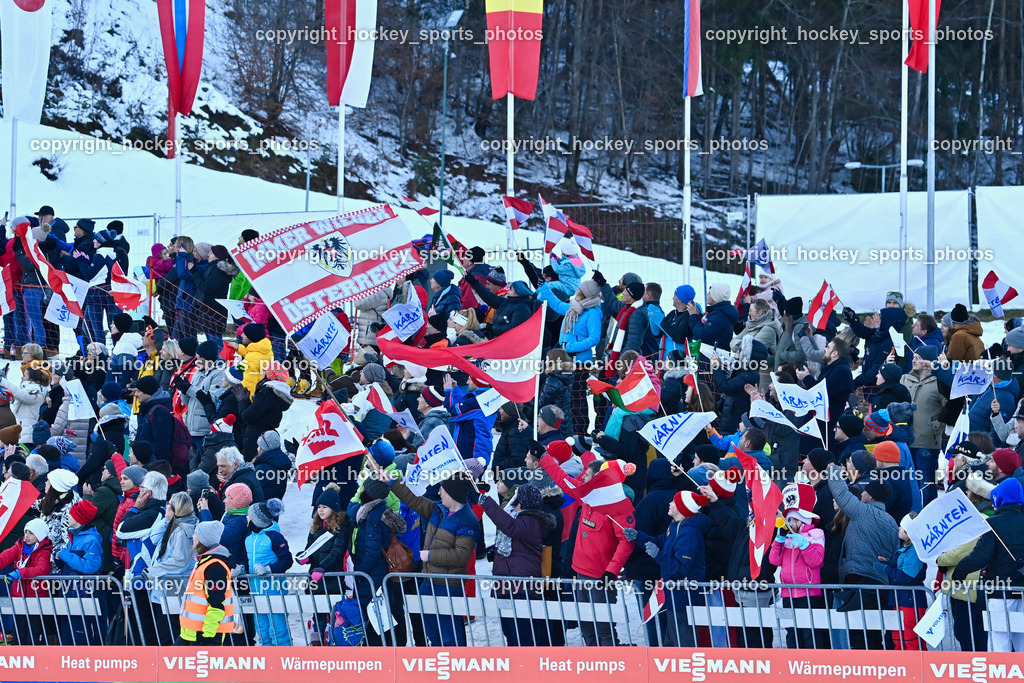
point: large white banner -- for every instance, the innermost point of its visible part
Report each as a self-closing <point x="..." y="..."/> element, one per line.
<point x="853" y="240"/>
<point x="998" y="225"/>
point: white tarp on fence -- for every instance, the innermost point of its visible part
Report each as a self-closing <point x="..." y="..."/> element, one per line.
<point x="999" y="226"/>
<point x="843" y="238"/>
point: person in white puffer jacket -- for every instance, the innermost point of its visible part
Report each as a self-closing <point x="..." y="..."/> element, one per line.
<point x="28" y="397"/>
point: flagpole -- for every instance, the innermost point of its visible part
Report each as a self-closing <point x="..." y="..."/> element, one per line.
<point x="14" y="166"/>
<point x="177" y="174"/>
<point x="904" y="83"/>
<point x="539" y="371"/>
<point x="341" y="157"/>
<point x="687" y="191"/>
<point x="510" y="185"/>
<point x="930" y="254"/>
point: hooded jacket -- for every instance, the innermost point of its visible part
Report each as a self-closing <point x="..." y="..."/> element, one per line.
<point x="30" y="562"/>
<point x="375" y="523"/>
<point x="965" y="342"/>
<point x="257" y="357"/>
<point x="265" y="413"/>
<point x="527" y="530"/>
<point x="84" y="552"/>
<point x="178" y="557"/>
<point x="872" y="533"/>
<point x="206" y="387"/>
<point x="715" y="327"/>
<point x="28" y="397"/>
<point x="272" y="470"/>
<point x="449" y="537"/>
<point x="799" y="565"/>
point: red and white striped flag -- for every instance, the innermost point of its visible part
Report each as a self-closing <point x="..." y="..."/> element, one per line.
<point x="331" y="438"/>
<point x="744" y="289"/>
<point x="584" y="238"/>
<point x="557" y="225"/>
<point x="656" y="602"/>
<point x="421" y="208"/>
<point x="351" y="26"/>
<point x="56" y="279"/>
<point x="822" y="306"/>
<point x="517" y="211"/>
<point x="128" y="294"/>
<point x="997" y="293"/>
<point x="182" y="30"/>
<point x="16" y="497"/>
<point x="7" y="303"/>
<point x="765" y="498"/>
<point x="378" y="399"/>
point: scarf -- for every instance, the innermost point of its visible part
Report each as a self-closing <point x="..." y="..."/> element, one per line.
<point x="503" y="542"/>
<point x="619" y="337"/>
<point x="754" y="322"/>
<point x="576" y="307"/>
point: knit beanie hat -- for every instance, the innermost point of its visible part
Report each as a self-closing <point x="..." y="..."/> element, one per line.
<point x="890" y="372"/>
<point x="111" y="391"/>
<point x="225" y="424"/>
<point x="382" y="452"/>
<point x="878" y="423"/>
<point x="134" y="473"/>
<point x="147" y="385"/>
<point x="719" y="292"/>
<point x="375" y="489"/>
<point x="432" y="396"/>
<point x="928" y="352"/>
<point x="458" y="486"/>
<point x="902" y="412"/>
<point x="109" y="467"/>
<point x="689" y="503"/>
<point x="560" y="450"/>
<point x="374" y="372"/>
<point x="1007" y="460"/>
<point x="522" y="289"/>
<point x="851" y="425"/>
<point x="38" y="527"/>
<point x="197" y="481"/>
<point x="887" y="452"/>
<point x="62" y="444"/>
<point x="959" y="314"/>
<point x="235" y="375"/>
<point x="209" y="533"/>
<point x="879" y="491"/>
<point x="62" y="480"/>
<point x="254" y="332"/>
<point x="1007" y="492"/>
<point x="262" y="515"/>
<point x="636" y="290"/>
<point x="209" y="350"/>
<point x="143" y="451"/>
<point x="529" y="497"/>
<point x="188" y="345"/>
<point x="863" y="461"/>
<point x="443" y="277"/>
<point x="685" y="293"/>
<point x="1015" y="338"/>
<point x="590" y="289"/>
<point x="820" y="458"/>
<point x="724" y="482"/>
<point x="123" y="322"/>
<point x="330" y="498"/>
<point x="269" y="441"/>
<point x="240" y="494"/>
<point x="497" y="277"/>
<point x="83" y="512"/>
<point x="895" y="296"/>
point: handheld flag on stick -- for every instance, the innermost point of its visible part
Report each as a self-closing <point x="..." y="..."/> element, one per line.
<point x="997" y="293"/>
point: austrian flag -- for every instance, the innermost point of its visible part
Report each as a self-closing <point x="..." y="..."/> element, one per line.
<point x="997" y="293"/>
<point x="634" y="393"/>
<point x="128" y="294"/>
<point x="822" y="306"/>
<point x="56" y="279"/>
<point x="517" y="211"/>
<point x="331" y="438"/>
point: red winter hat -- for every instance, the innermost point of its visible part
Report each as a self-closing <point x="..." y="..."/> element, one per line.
<point x="561" y="451"/>
<point x="887" y="451"/>
<point x="799" y="498"/>
<point x="1007" y="460"/>
<point x="225" y="424"/>
<point x="83" y="512"/>
<point x="723" y="482"/>
<point x="689" y="503"/>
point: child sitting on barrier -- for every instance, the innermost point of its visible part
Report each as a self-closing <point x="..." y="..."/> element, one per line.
<point x="906" y="569"/>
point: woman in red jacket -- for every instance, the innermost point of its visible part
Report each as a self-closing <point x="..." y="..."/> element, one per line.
<point x="31" y="558"/>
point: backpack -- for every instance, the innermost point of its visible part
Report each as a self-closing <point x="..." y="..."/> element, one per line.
<point x="398" y="556"/>
<point x="181" y="439"/>
<point x="346" y="627"/>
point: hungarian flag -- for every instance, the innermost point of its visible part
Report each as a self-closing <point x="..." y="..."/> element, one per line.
<point x="331" y="438"/>
<point x="634" y="393"/>
<point x="510" y="362"/>
<point x="917" y="57"/>
<point x="16" y="497"/>
<point x="182" y="25"/>
<point x="513" y="43"/>
<point x="557" y="225"/>
<point x="822" y="306"/>
<point x="350" y="27"/>
<point x="26" y="27"/>
<point x="128" y="294"/>
<point x="744" y="288"/>
<point x="450" y="249"/>
<point x="422" y="208"/>
<point x="997" y="293"/>
<point x="656" y="602"/>
<point x="693" y="84"/>
<point x="56" y="279"/>
<point x="516" y="211"/>
<point x="765" y="498"/>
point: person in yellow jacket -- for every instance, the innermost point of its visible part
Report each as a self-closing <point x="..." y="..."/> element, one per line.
<point x="149" y="367"/>
<point x="257" y="354"/>
<point x="208" y="603"/>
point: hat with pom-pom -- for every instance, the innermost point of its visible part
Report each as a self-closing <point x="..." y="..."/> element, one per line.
<point x="560" y="450"/>
<point x="225" y="424"/>
<point x="262" y="515"/>
<point x="724" y="482"/>
<point x="689" y="503"/>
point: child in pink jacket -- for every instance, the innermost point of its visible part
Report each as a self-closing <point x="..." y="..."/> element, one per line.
<point x="799" y="551"/>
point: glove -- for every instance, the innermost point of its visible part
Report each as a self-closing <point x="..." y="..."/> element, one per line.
<point x="609" y="579"/>
<point x="15" y="575"/>
<point x="317" y="576"/>
<point x="629" y="533"/>
<point x="651" y="548"/>
<point x="599" y="278"/>
<point x="181" y="384"/>
<point x="239" y="570"/>
<point x="849" y="314"/>
<point x="800" y="541"/>
<point x="260" y="569"/>
<point x="304" y="560"/>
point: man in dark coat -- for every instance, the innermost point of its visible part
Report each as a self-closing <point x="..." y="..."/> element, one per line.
<point x="835" y="370"/>
<point x="156" y="421"/>
<point x="272" y="465"/>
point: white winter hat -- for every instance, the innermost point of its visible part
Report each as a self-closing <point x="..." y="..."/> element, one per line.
<point x="719" y="292"/>
<point x="38" y="527"/>
<point x="62" y="480"/>
<point x="569" y="248"/>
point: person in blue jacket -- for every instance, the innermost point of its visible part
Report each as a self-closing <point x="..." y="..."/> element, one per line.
<point x="906" y="569"/>
<point x="581" y="324"/>
<point x="715" y="327"/>
<point x="266" y="552"/>
<point x="470" y="428"/>
<point x="82" y="556"/>
<point x="445" y="297"/>
<point x="680" y="553"/>
<point x="185" y="259"/>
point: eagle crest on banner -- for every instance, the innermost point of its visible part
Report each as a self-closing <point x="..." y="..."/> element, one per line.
<point x="332" y="253"/>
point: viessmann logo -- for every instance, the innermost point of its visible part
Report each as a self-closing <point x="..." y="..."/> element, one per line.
<point x="699" y="666"/>
<point x="444" y="664"/>
<point x="978" y="670"/>
<point x="202" y="664"/>
<point x="18" y="662"/>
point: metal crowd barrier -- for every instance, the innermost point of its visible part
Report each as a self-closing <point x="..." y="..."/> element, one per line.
<point x="444" y="610"/>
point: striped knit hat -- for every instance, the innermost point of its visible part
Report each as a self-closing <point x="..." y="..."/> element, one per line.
<point x="689" y="503"/>
<point x="432" y="396"/>
<point x="723" y="482"/>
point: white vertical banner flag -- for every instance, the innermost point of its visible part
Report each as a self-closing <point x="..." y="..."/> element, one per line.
<point x="57" y="311"/>
<point x="79" y="408"/>
<point x="671" y="434"/>
<point x="324" y="341"/>
<point x="436" y="456"/>
<point x="898" y="342"/>
<point x="932" y="626"/>
<point x="25" y="52"/>
<point x="970" y="379"/>
<point x="405" y="319"/>
<point x="944" y="524"/>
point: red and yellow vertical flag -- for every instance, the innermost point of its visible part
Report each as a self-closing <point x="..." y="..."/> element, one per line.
<point x="513" y="42"/>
